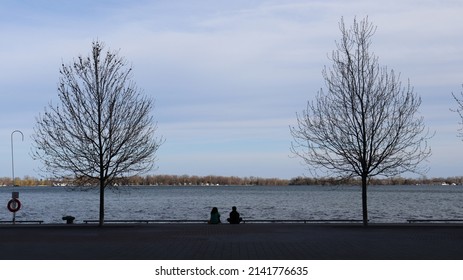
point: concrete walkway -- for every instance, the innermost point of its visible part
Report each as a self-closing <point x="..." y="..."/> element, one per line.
<point x="245" y="241"/>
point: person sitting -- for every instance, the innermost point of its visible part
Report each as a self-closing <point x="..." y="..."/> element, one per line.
<point x="215" y="216"/>
<point x="234" y="216"/>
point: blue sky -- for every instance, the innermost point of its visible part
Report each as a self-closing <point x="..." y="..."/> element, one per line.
<point x="228" y="76"/>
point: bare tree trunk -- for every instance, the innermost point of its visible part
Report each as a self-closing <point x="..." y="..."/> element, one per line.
<point x="364" y="200"/>
<point x="101" y="217"/>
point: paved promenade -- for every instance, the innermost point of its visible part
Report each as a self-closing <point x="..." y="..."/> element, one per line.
<point x="244" y="241"/>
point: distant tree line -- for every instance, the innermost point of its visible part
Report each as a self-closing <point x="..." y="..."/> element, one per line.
<point x="187" y="180"/>
<point x="25" y="181"/>
<point x="155" y="180"/>
<point x="329" y="181"/>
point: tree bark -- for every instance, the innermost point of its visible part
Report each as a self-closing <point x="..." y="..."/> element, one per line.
<point x="101" y="216"/>
<point x="364" y="200"/>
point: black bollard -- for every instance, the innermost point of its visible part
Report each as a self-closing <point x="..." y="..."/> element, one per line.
<point x="69" y="219"/>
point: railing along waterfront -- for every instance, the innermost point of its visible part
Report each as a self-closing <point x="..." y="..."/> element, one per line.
<point x="205" y="221"/>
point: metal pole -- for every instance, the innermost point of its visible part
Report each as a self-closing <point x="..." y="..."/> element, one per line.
<point x="12" y="155"/>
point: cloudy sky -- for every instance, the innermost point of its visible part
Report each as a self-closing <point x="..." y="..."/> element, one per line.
<point x="228" y="76"/>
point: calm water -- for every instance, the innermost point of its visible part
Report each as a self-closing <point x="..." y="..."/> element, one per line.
<point x="386" y="203"/>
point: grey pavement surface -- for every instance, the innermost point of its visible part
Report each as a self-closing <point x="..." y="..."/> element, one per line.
<point x="224" y="241"/>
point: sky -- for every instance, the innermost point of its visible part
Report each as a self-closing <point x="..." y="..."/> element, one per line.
<point x="227" y="76"/>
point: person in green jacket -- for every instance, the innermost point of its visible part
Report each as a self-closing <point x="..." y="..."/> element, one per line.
<point x="215" y="216"/>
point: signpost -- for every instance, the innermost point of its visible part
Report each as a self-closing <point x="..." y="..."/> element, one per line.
<point x="14" y="205"/>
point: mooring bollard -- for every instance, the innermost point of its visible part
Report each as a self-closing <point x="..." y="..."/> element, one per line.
<point x="69" y="219"/>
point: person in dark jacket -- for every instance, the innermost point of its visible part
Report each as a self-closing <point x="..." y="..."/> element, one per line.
<point x="234" y="216"/>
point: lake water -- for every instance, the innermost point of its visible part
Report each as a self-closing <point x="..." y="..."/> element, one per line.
<point x="386" y="203"/>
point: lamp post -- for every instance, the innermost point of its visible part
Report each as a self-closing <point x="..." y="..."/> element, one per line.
<point x="12" y="155"/>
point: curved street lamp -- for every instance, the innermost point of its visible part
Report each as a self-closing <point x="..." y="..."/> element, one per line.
<point x="12" y="156"/>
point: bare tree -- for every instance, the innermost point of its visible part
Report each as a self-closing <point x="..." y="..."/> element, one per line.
<point x="103" y="128"/>
<point x="459" y="110"/>
<point x="365" y="124"/>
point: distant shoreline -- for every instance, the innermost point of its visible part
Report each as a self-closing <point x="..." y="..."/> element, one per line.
<point x="213" y="180"/>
